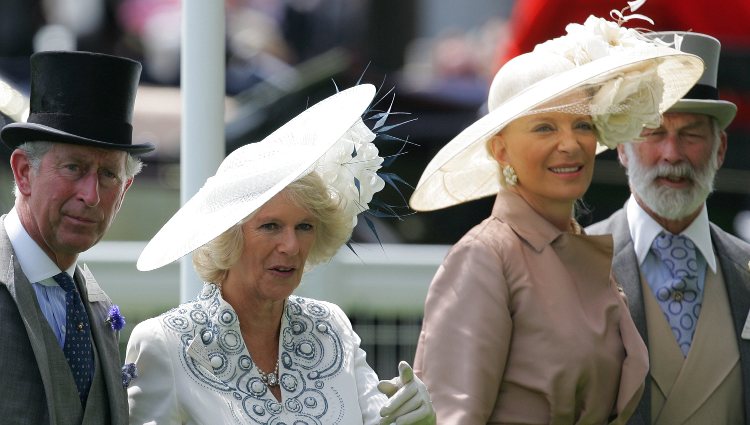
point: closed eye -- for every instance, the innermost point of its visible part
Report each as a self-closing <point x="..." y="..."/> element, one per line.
<point x="658" y="132"/>
<point x="694" y="137"/>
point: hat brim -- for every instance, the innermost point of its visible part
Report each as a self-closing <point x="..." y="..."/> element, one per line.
<point x="312" y="132"/>
<point x="16" y="134"/>
<point x="722" y="110"/>
<point x="463" y="170"/>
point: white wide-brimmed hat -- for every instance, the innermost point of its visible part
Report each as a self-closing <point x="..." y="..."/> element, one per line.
<point x="254" y="173"/>
<point x="612" y="73"/>
<point x="703" y="98"/>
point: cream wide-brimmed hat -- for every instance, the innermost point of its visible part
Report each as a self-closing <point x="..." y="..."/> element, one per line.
<point x="614" y="74"/>
<point x="254" y="173"/>
<point x="703" y="98"/>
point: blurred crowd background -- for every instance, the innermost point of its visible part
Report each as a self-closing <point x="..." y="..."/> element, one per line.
<point x="438" y="56"/>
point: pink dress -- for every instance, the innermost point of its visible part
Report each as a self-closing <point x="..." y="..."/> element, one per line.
<point x="523" y="325"/>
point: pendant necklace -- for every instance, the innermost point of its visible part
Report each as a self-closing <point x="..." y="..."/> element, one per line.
<point x="270" y="379"/>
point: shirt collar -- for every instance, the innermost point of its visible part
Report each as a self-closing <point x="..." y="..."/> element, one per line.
<point x="512" y="209"/>
<point x="644" y="229"/>
<point x="35" y="263"/>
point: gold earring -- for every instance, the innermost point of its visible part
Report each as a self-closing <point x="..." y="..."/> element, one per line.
<point x="509" y="173"/>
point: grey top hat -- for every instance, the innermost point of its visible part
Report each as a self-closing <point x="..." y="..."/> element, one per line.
<point x="703" y="98"/>
<point x="81" y="98"/>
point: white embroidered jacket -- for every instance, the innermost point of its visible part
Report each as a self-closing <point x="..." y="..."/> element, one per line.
<point x="193" y="368"/>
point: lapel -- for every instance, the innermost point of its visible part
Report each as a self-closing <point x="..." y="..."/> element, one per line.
<point x="197" y="351"/>
<point x="22" y="293"/>
<point x="689" y="383"/>
<point x="627" y="275"/>
<point x="667" y="360"/>
<point x="625" y="269"/>
<point x="734" y="259"/>
<point x="105" y="342"/>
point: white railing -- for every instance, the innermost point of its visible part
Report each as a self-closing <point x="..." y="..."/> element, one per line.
<point x="391" y="279"/>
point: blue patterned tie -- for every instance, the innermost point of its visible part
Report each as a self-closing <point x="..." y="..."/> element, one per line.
<point x="77" y="348"/>
<point x="679" y="297"/>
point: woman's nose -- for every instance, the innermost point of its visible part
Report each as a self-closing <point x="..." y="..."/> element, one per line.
<point x="289" y="242"/>
<point x="568" y="141"/>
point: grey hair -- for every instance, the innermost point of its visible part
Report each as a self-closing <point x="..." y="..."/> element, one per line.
<point x="213" y="260"/>
<point x="35" y="151"/>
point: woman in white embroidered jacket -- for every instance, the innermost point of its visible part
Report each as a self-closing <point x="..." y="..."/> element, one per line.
<point x="247" y="351"/>
<point x="522" y="323"/>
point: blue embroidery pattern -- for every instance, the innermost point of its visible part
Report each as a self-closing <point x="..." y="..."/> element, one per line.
<point x="311" y="354"/>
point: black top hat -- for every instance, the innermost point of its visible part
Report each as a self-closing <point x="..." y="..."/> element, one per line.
<point x="703" y="98"/>
<point x="81" y="98"/>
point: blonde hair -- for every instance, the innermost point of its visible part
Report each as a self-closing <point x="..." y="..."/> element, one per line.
<point x="334" y="227"/>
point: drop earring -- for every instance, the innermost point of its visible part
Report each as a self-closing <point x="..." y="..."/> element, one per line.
<point x="509" y="173"/>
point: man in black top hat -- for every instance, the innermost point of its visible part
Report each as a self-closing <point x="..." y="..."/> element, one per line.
<point x="687" y="281"/>
<point x="72" y="161"/>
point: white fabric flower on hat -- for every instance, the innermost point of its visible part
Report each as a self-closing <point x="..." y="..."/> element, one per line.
<point x="627" y="104"/>
<point x="596" y="38"/>
<point x="350" y="169"/>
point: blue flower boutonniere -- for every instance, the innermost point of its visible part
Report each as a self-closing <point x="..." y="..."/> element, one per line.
<point x="129" y="372"/>
<point x="115" y="318"/>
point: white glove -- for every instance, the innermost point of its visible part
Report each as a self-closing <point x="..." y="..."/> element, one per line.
<point x="408" y="399"/>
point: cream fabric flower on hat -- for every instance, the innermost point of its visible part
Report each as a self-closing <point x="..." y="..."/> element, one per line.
<point x="636" y="97"/>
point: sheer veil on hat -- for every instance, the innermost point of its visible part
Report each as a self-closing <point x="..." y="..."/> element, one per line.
<point x="616" y="75"/>
<point x="254" y="173"/>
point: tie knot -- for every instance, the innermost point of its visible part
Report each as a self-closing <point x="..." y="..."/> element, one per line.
<point x="65" y="281"/>
<point x="677" y="252"/>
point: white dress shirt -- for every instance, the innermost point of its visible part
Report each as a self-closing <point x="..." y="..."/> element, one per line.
<point x="39" y="270"/>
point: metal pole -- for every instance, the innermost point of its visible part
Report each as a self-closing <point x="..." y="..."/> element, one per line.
<point x="202" y="124"/>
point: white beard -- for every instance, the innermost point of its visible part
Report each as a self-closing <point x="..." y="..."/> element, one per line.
<point x="667" y="202"/>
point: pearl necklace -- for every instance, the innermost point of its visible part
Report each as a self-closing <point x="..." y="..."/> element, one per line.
<point x="269" y="379"/>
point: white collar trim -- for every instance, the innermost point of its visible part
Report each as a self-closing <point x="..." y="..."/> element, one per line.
<point x="643" y="230"/>
<point x="35" y="263"/>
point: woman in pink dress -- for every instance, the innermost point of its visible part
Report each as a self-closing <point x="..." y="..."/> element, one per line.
<point x="522" y="322"/>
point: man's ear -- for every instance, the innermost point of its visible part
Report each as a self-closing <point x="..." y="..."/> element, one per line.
<point x="128" y="183"/>
<point x="621" y="155"/>
<point x="21" y="166"/>
<point x="721" y="154"/>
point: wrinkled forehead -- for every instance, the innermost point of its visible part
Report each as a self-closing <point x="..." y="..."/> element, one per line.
<point x="687" y="119"/>
<point x="84" y="153"/>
